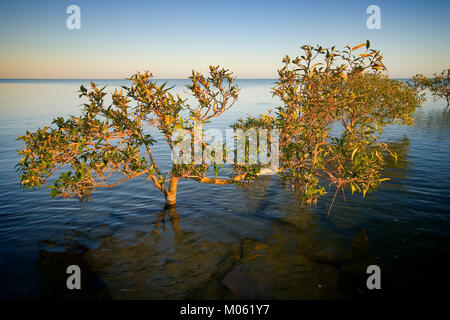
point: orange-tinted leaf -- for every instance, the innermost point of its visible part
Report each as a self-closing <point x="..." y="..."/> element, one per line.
<point x="358" y="46"/>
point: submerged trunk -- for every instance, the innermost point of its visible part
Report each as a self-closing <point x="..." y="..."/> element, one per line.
<point x="171" y="195"/>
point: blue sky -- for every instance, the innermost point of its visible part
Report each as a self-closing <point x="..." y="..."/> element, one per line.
<point x="171" y="38"/>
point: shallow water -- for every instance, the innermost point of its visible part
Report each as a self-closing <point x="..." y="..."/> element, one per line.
<point x="223" y="241"/>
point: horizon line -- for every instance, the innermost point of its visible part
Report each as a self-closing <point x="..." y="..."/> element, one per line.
<point x="2" y="79"/>
<point x="122" y="78"/>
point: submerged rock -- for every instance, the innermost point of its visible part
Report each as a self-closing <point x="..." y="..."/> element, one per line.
<point x="249" y="282"/>
<point x="277" y="271"/>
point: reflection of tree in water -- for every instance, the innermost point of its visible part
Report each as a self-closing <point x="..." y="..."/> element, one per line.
<point x="435" y="119"/>
<point x="397" y="170"/>
<point x="295" y="262"/>
<point x="401" y="148"/>
<point x="163" y="263"/>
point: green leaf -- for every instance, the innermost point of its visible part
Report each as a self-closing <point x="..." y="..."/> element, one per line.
<point x="53" y="193"/>
<point x="353" y="153"/>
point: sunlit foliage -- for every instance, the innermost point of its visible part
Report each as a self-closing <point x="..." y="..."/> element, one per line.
<point x="326" y="87"/>
<point x="111" y="143"/>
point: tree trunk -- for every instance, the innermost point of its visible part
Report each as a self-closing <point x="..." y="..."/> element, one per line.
<point x="171" y="195"/>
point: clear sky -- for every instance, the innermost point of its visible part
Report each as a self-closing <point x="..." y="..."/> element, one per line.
<point x="171" y="38"/>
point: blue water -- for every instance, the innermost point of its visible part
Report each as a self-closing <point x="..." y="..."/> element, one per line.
<point x="223" y="241"/>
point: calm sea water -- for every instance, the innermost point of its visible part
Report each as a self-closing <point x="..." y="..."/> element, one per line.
<point x="223" y="241"/>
